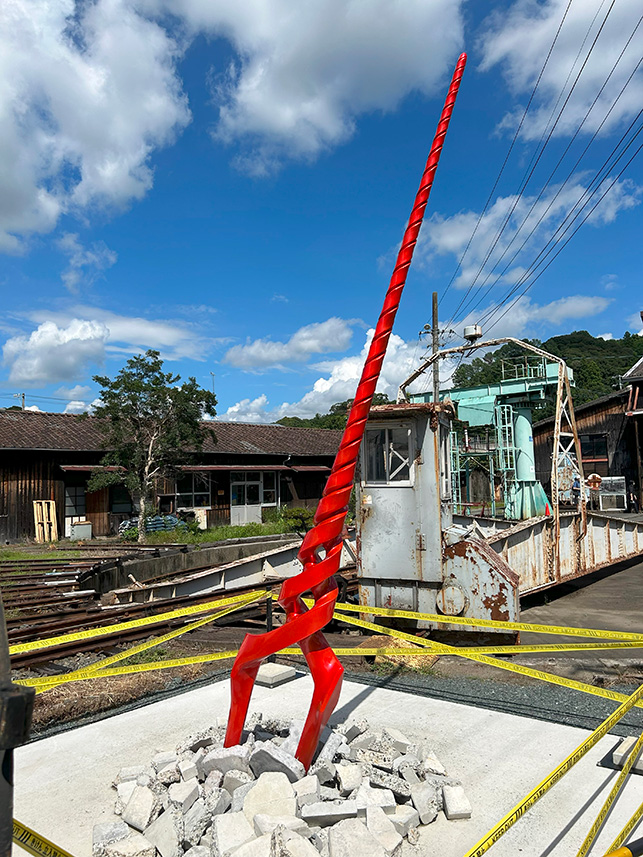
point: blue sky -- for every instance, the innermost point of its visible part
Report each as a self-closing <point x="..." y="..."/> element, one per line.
<point x="227" y="182"/>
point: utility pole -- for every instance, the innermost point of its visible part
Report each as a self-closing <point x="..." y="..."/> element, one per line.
<point x="436" y="346"/>
<point x="20" y="396"/>
<point x="213" y="376"/>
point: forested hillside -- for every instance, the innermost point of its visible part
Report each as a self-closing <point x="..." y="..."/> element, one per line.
<point x="598" y="364"/>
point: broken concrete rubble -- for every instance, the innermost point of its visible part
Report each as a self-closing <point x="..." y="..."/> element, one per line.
<point x="366" y="793"/>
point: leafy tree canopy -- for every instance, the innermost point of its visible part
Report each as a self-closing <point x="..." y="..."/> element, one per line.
<point x="334" y="419"/>
<point x="151" y="422"/>
<point x="598" y="364"/>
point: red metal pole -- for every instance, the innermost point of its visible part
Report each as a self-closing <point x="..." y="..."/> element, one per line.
<point x="321" y="548"/>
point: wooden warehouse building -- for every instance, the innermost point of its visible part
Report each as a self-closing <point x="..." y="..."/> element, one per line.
<point x="250" y="468"/>
<point x="610" y="431"/>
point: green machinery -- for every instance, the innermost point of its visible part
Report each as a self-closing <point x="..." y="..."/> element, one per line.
<point x="507" y="406"/>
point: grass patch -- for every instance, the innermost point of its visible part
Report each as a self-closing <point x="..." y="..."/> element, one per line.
<point x="46" y="553"/>
<point x="217" y="534"/>
<point x="156" y="653"/>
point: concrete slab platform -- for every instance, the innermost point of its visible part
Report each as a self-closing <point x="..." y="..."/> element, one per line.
<point x="63" y="782"/>
<point x="272" y="675"/>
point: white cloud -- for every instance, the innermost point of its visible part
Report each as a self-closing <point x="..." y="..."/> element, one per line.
<point x="323" y="337"/>
<point x="32" y="408"/>
<point x="52" y="353"/>
<point x="304" y="71"/>
<point x="85" y="263"/>
<point x="605" y="336"/>
<point x="525" y="318"/>
<point x="337" y="383"/>
<point x="634" y="322"/>
<point x="79" y="391"/>
<point x="610" y="282"/>
<point x="518" y="39"/>
<point x="75" y="407"/>
<point x="90" y="90"/>
<point x="131" y="334"/>
<point x="450" y="235"/>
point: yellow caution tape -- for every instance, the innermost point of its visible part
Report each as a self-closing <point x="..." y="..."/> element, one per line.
<point x="489" y="623"/>
<point x="607" y="806"/>
<point x="557" y="774"/>
<point x="623" y="835"/>
<point x="464" y="652"/>
<point x="171" y="635"/>
<point x="105" y="630"/>
<point x="34" y="843"/>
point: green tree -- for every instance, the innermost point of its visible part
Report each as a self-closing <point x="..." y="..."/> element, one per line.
<point x="336" y="417"/>
<point x="152" y="423"/>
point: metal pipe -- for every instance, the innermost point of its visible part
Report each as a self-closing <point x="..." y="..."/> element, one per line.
<point x="634" y="849"/>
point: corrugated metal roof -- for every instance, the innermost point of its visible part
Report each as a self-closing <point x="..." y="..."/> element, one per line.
<point x="48" y="431"/>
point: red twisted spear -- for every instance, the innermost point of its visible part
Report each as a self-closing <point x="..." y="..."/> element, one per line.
<point x="321" y="548"/>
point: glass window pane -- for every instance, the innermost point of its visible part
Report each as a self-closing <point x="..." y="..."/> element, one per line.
<point x="184" y="484"/>
<point x="269" y="496"/>
<point x="586" y="446"/>
<point x="399" y="454"/>
<point x="201" y="499"/>
<point x="238" y="495"/>
<point x="268" y="480"/>
<point x="252" y="494"/>
<point x="600" y="447"/>
<point x="375" y="455"/>
<point x="237" y="476"/>
<point x="184" y="501"/>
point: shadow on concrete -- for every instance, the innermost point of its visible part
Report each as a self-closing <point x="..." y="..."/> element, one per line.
<point x="572" y="822"/>
<point x="341" y="714"/>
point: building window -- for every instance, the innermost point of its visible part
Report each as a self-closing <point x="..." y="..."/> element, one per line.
<point x="387" y="455"/>
<point x="193" y="491"/>
<point x="593" y="447"/>
<point x="253" y="488"/>
<point x="120" y="501"/>
<point x="75" y="501"/>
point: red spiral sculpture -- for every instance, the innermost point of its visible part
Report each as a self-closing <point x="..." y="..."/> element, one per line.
<point x="321" y="548"/>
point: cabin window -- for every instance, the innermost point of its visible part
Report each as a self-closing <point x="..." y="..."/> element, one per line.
<point x="253" y="488"/>
<point x="387" y="455"/>
<point x="75" y="501"/>
<point x="593" y="447"/>
<point x="193" y="491"/>
<point x="120" y="500"/>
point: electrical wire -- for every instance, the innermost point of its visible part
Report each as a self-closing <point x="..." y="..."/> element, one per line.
<point x="506" y="159"/>
<point x="589" y="213"/>
<point x="543" y="143"/>
<point x="561" y="187"/>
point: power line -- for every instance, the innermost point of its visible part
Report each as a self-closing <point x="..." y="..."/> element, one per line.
<point x="504" y="163"/>
<point x="546" y="135"/>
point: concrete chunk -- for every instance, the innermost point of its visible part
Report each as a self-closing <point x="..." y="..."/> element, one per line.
<point x="266" y="757"/>
<point x="328" y="751"/>
<point x="324" y="770"/>
<point x="226" y="759"/>
<point x="306" y="790"/>
<point x="372" y="757"/>
<point x="187" y="769"/>
<point x="233" y="779"/>
<point x="291" y="743"/>
<point x="620" y="754"/>
<point x="398" y="739"/>
<point x="130" y="774"/>
<point x="229" y="831"/>
<point x="349" y="778"/>
<point x="426" y="800"/>
<point x="272" y="794"/>
<point x="196" y="821"/>
<point x="134" y="845"/>
<point x="259" y="847"/>
<point x="272" y="675"/>
<point x="183" y="795"/>
<point x="198" y="851"/>
<point x="367" y="796"/>
<point x="166" y="833"/>
<point x="323" y="814"/>
<point x="326" y="793"/>
<point x="364" y="741"/>
<point x="351" y="838"/>
<point x="287" y="843"/>
<point x="381" y="827"/>
<point x="404" y="818"/>
<point x="239" y="796"/>
<point x="432" y="765"/>
<point x="456" y="803"/>
<point x="352" y="729"/>
<point x="397" y="785"/>
<point x="142" y="808"/>
<point x="123" y="794"/>
<point x="107" y="833"/>
<point x="213" y="781"/>
<point x="169" y="774"/>
<point x="267" y="823"/>
<point x="218" y="801"/>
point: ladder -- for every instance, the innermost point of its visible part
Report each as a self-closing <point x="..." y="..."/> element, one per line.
<point x="507" y="456"/>
<point x="456" y="485"/>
